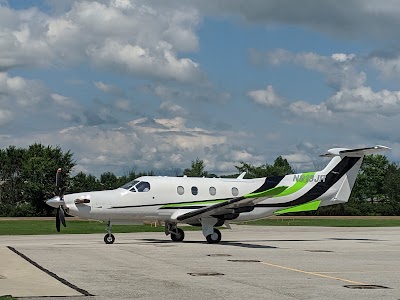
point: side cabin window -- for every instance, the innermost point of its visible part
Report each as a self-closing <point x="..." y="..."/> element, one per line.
<point x="195" y="191"/>
<point x="180" y="190"/>
<point x="235" y="191"/>
<point x="212" y="191"/>
<point x="143" y="186"/>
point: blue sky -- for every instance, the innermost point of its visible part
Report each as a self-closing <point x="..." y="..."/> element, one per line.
<point x="151" y="85"/>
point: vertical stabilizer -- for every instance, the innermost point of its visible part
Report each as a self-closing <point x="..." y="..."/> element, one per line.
<point x="346" y="183"/>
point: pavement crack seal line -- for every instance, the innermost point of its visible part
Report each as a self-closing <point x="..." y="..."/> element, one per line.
<point x="55" y="276"/>
<point x="314" y="273"/>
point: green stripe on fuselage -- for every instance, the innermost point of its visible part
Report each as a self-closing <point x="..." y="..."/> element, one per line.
<point x="268" y="193"/>
<point x="299" y="184"/>
<point x="312" y="205"/>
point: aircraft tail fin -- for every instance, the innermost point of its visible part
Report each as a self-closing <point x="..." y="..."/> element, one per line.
<point x="349" y="160"/>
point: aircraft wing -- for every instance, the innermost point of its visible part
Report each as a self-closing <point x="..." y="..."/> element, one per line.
<point x="230" y="205"/>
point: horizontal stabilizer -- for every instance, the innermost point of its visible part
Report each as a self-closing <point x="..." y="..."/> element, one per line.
<point x="354" y="152"/>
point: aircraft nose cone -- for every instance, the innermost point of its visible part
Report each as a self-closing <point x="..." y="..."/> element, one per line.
<point x="55" y="202"/>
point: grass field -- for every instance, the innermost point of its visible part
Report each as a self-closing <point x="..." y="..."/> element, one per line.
<point x="29" y="227"/>
<point x="34" y="226"/>
<point x="7" y="298"/>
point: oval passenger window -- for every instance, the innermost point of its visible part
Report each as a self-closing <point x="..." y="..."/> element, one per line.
<point x="194" y="190"/>
<point x="180" y="190"/>
<point x="235" y="191"/>
<point x="213" y="191"/>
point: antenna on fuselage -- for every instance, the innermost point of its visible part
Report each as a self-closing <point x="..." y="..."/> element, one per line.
<point x="241" y="176"/>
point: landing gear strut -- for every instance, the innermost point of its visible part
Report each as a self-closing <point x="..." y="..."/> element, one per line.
<point x="109" y="237"/>
<point x="177" y="234"/>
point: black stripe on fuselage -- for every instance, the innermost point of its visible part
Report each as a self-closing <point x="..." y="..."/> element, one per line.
<point x="321" y="187"/>
<point x="270" y="182"/>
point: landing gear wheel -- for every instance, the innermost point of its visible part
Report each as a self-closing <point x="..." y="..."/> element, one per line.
<point x="214" y="238"/>
<point x="178" y="235"/>
<point x="109" y="238"/>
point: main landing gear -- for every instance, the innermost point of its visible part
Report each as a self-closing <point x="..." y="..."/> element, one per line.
<point x="177" y="234"/>
<point x="109" y="237"/>
<point x="212" y="235"/>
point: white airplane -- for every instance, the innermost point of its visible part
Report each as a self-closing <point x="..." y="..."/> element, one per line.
<point x="213" y="202"/>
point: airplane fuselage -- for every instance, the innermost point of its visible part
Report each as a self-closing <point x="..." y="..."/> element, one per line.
<point x="170" y="194"/>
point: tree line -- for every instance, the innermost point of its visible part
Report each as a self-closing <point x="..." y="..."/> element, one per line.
<point x="27" y="179"/>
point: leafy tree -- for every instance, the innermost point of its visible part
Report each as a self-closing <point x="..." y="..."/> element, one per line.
<point x="196" y="169"/>
<point x="280" y="167"/>
<point x="391" y="188"/>
<point x="369" y="185"/>
<point x="109" y="181"/>
<point x="27" y="177"/>
<point x="84" y="183"/>
<point x="38" y="174"/>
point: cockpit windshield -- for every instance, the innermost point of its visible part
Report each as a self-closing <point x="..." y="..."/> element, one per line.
<point x="136" y="185"/>
<point x="129" y="185"/>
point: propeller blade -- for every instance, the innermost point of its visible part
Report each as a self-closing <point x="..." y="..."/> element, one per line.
<point x="58" y="219"/>
<point x="62" y="191"/>
<point x="58" y="181"/>
<point x="62" y="216"/>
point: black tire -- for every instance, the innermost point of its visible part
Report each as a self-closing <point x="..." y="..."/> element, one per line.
<point x="179" y="236"/>
<point x="109" y="238"/>
<point x="214" y="238"/>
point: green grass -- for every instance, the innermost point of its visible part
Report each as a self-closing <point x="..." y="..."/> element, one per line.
<point x="7" y="298"/>
<point x="329" y="222"/>
<point x="31" y="227"/>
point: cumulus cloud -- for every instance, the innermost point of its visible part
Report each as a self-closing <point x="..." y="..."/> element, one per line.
<point x="184" y="93"/>
<point x="22" y="92"/>
<point x="357" y="19"/>
<point x="387" y="62"/>
<point x="267" y="97"/>
<point x="146" y="144"/>
<point x="22" y="99"/>
<point x="365" y="100"/>
<point x="138" y="38"/>
<point x="6" y="116"/>
<point x="108" y="88"/>
<point x="172" y="108"/>
<point x="306" y="110"/>
<point x="340" y="69"/>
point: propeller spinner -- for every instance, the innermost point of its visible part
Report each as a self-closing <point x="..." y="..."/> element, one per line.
<point x="58" y="201"/>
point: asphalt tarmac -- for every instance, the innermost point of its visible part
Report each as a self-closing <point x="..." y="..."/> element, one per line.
<point x="250" y="263"/>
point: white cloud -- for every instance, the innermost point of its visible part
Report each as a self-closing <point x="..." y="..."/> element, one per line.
<point x="146" y="144"/>
<point x="160" y="62"/>
<point x="204" y="93"/>
<point x="22" y="92"/>
<point x="343" y="57"/>
<point x="64" y="101"/>
<point x="6" y="116"/>
<point x="172" y="108"/>
<point x="108" y="88"/>
<point x="340" y="69"/>
<point x="365" y="20"/>
<point x="138" y="38"/>
<point x="365" y="100"/>
<point x="267" y="97"/>
<point x="306" y="110"/>
<point x="387" y="65"/>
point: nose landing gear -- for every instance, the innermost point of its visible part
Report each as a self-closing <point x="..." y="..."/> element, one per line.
<point x="109" y="237"/>
<point x="177" y="234"/>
